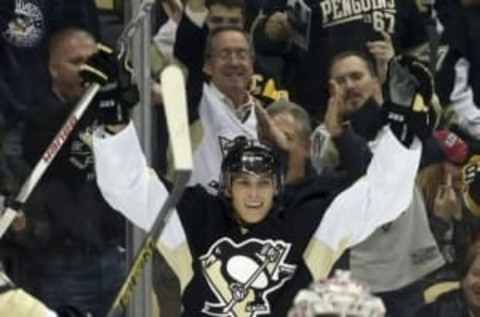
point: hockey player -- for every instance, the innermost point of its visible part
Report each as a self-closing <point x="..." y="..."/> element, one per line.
<point x="237" y="253"/>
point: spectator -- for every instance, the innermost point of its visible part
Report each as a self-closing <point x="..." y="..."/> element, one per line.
<point x="394" y="274"/>
<point x="201" y="17"/>
<point x="226" y="108"/>
<point x="73" y="240"/>
<point x="441" y="186"/>
<point x="23" y="60"/>
<point x="459" y="64"/>
<point x="293" y="127"/>
<point x="197" y="20"/>
<point x="23" y="41"/>
<point x="335" y="28"/>
<point x="460" y="302"/>
<point x="355" y="72"/>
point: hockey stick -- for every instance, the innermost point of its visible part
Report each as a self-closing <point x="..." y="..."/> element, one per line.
<point x="10" y="212"/>
<point x="52" y="150"/>
<point x="175" y="104"/>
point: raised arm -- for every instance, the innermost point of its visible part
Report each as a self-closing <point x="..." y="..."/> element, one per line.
<point x="377" y="198"/>
<point x="124" y="178"/>
<point x="387" y="188"/>
<point x="191" y="37"/>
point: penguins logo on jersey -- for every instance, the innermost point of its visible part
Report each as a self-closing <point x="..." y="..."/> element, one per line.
<point x="81" y="155"/>
<point x="28" y="26"/>
<point x="243" y="275"/>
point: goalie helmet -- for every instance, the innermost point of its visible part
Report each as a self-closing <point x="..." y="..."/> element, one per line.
<point x="248" y="156"/>
<point x="339" y="296"/>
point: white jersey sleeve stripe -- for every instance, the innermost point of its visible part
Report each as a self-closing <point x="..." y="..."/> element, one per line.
<point x="133" y="189"/>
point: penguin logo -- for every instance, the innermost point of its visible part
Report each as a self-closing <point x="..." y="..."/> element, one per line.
<point x="243" y="275"/>
<point x="28" y="26"/>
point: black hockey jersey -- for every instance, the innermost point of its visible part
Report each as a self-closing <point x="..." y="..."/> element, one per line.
<point x="242" y="270"/>
<point x="227" y="270"/>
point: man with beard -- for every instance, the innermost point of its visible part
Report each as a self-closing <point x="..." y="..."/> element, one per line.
<point x="335" y="27"/>
<point x="356" y="74"/>
<point x="399" y="282"/>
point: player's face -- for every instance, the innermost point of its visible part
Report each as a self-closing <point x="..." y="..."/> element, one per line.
<point x="353" y="75"/>
<point x="65" y="65"/>
<point x="222" y="16"/>
<point x="471" y="285"/>
<point x="252" y="196"/>
<point x="230" y="66"/>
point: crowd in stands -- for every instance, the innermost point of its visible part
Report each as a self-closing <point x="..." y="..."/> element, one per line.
<point x="313" y="80"/>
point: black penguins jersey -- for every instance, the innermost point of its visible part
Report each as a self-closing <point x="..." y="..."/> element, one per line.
<point x="226" y="269"/>
<point x="241" y="271"/>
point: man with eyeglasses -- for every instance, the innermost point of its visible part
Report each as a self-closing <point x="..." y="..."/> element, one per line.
<point x="226" y="108"/>
<point x="200" y="17"/>
<point x="203" y="16"/>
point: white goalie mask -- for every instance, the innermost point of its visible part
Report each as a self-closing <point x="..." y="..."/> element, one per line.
<point x="339" y="296"/>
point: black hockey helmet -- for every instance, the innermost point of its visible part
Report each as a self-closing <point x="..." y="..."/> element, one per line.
<point x="248" y="156"/>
